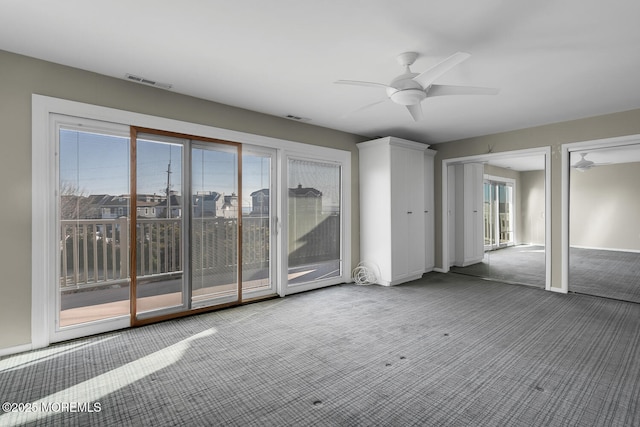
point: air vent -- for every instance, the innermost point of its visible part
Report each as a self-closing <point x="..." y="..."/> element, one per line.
<point x="148" y="82"/>
<point x="296" y="118"/>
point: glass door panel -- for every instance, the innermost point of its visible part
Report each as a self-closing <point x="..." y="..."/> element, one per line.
<point x="258" y="213"/>
<point x="214" y="224"/>
<point x="314" y="227"/>
<point x="489" y="221"/>
<point x="498" y="214"/>
<point x="159" y="251"/>
<point x="93" y="207"/>
<point x="505" y="214"/>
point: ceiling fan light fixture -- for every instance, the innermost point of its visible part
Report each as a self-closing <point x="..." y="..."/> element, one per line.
<point x="408" y="96"/>
<point x="583" y="164"/>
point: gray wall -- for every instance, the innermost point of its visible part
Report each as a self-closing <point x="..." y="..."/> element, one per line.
<point x="529" y="203"/>
<point x="532" y="220"/>
<point x="605" y="207"/>
<point x="20" y="77"/>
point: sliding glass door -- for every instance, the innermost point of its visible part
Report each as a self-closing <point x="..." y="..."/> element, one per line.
<point x="498" y="214"/>
<point x="192" y="234"/>
<point x="93" y="210"/>
<point x="215" y="275"/>
<point x="159" y="232"/>
<point x="151" y="225"/>
<point x="259" y="222"/>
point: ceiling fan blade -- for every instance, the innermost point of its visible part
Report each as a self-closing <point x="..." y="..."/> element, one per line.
<point x="364" y="107"/>
<point x="441" y="90"/>
<point x="359" y="83"/>
<point x="416" y="111"/>
<point x="426" y="78"/>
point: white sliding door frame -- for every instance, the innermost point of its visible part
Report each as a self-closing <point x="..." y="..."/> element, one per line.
<point x="44" y="206"/>
<point x="345" y="218"/>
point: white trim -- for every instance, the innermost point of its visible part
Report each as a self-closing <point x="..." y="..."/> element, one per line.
<point x="41" y="211"/>
<point x="558" y="290"/>
<point x="446" y="263"/>
<point x="55" y="332"/>
<point x="566" y="150"/>
<point x="43" y="183"/>
<point x="46" y="105"/>
<point x="564" y="220"/>
<point x="15" y="349"/>
<point x="548" y="237"/>
<point x="632" y="251"/>
<point x="546" y="151"/>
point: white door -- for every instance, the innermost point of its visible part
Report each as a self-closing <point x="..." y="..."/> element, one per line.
<point x="91" y="281"/>
<point x="414" y="179"/>
<point x="313" y="239"/>
<point x="401" y="213"/>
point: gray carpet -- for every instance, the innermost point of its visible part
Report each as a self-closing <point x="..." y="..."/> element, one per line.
<point x="610" y="274"/>
<point x="446" y="350"/>
<point x="523" y="264"/>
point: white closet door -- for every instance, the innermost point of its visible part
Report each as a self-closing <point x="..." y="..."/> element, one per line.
<point x="400" y="208"/>
<point x="414" y="191"/>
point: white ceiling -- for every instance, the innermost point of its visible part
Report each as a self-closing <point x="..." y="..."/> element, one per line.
<point x="553" y="60"/>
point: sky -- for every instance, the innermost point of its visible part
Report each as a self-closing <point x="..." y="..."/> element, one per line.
<point x="94" y="163"/>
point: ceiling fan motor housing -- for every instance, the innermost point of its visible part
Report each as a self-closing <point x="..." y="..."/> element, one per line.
<point x="404" y="90"/>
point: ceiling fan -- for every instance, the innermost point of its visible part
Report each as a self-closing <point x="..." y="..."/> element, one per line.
<point x="584" y="165"/>
<point x="410" y="89"/>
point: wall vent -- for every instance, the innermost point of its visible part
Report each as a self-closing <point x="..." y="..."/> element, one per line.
<point x="147" y="82"/>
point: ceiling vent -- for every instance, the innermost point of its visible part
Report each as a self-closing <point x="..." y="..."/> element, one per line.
<point x="296" y="118"/>
<point x="147" y="82"/>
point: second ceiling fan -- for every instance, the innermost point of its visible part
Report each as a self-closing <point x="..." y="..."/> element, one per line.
<point x="410" y="89"/>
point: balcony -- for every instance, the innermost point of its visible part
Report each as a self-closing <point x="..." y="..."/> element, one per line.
<point x="95" y="261"/>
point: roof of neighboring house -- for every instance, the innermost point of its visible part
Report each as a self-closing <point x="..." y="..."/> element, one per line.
<point x="213" y="196"/>
<point x="116" y="201"/>
<point x="301" y="191"/>
<point x="174" y="200"/>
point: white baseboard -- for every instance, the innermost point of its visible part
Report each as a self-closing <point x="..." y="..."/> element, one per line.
<point x="14" y="350"/>
<point x="635" y="251"/>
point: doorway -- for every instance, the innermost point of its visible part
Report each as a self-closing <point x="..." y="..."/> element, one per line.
<point x="601" y="251"/>
<point x="509" y="240"/>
